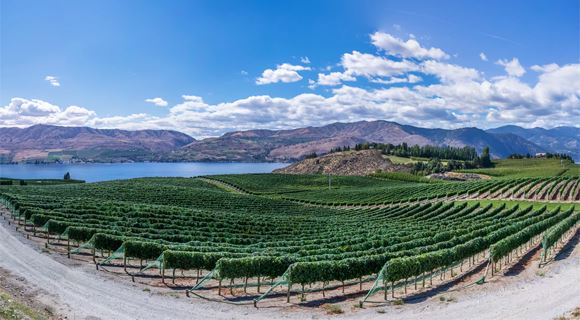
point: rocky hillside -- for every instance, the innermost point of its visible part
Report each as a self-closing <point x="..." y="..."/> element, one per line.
<point x="351" y="163"/>
<point x="290" y="145"/>
<point x="54" y="143"/>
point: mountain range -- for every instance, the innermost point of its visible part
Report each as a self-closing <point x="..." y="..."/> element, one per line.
<point x="47" y="143"/>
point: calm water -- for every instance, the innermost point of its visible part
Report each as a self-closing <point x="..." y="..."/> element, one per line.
<point x="114" y="171"/>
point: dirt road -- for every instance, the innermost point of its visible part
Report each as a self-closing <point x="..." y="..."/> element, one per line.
<point x="78" y="291"/>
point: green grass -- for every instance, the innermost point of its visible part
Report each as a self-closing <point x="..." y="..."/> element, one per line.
<point x="517" y="168"/>
<point x="400" y="160"/>
<point x="10" y="309"/>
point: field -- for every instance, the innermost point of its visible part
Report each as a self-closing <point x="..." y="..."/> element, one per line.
<point x="534" y="167"/>
<point x="274" y="237"/>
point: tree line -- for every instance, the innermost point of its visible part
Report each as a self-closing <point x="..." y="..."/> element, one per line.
<point x="405" y="150"/>
<point x="547" y="155"/>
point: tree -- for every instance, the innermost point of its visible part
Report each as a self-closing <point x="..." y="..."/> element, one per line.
<point x="485" y="159"/>
<point x="67" y="176"/>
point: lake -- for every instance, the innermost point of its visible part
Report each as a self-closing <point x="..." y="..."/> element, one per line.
<point x="92" y="172"/>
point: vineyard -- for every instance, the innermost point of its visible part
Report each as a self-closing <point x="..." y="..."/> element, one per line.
<point x="262" y="236"/>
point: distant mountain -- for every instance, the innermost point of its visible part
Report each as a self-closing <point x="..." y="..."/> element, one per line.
<point x="560" y="139"/>
<point x="47" y="143"/>
<point x="289" y="145"/>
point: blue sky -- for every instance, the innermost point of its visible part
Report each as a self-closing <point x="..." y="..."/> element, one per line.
<point x="203" y="65"/>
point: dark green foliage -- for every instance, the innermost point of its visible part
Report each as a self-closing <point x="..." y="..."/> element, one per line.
<point x="107" y="242"/>
<point x="554" y="233"/>
<point x="81" y="234"/>
<point x="263" y="266"/>
<point x="56" y="227"/>
<point x="143" y="250"/>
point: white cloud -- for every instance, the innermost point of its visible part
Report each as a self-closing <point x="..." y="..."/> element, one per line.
<point x="368" y="65"/>
<point x="545" y="68"/>
<point x="305" y="60"/>
<point x="26" y="112"/>
<point x="406" y="49"/>
<point x="512" y="67"/>
<point x="482" y="56"/>
<point x="449" y="72"/>
<point x="244" y="73"/>
<point x="283" y="73"/>
<point x="333" y="78"/>
<point x="52" y="80"/>
<point x="357" y="64"/>
<point x="411" y="78"/>
<point x="431" y="93"/>
<point x="157" y="101"/>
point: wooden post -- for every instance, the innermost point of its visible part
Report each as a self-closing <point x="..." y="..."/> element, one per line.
<point x="173" y="279"/>
<point x="68" y="248"/>
<point x="220" y="287"/>
<point x="393" y="289"/>
<point x="386" y="289"/>
<point x="288" y="293"/>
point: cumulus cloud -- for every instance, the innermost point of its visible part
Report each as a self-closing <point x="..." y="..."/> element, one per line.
<point x="408" y="79"/>
<point x="283" y="73"/>
<point x="26" y="112"/>
<point x="449" y="72"/>
<point x="52" y="80"/>
<point x="357" y="64"/>
<point x="406" y="49"/>
<point x="545" y="68"/>
<point x="430" y="93"/>
<point x="512" y="67"/>
<point x="305" y="60"/>
<point x="482" y="56"/>
<point x="157" y="101"/>
<point x="332" y="79"/>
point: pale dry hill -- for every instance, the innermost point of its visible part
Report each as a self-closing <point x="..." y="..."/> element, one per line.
<point x="350" y="163"/>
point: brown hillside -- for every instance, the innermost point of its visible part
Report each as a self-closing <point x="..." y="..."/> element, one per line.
<point x="351" y="163"/>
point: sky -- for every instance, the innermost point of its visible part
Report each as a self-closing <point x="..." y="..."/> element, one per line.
<point x="210" y="67"/>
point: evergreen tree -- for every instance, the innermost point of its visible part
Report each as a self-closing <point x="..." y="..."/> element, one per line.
<point x="485" y="161"/>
